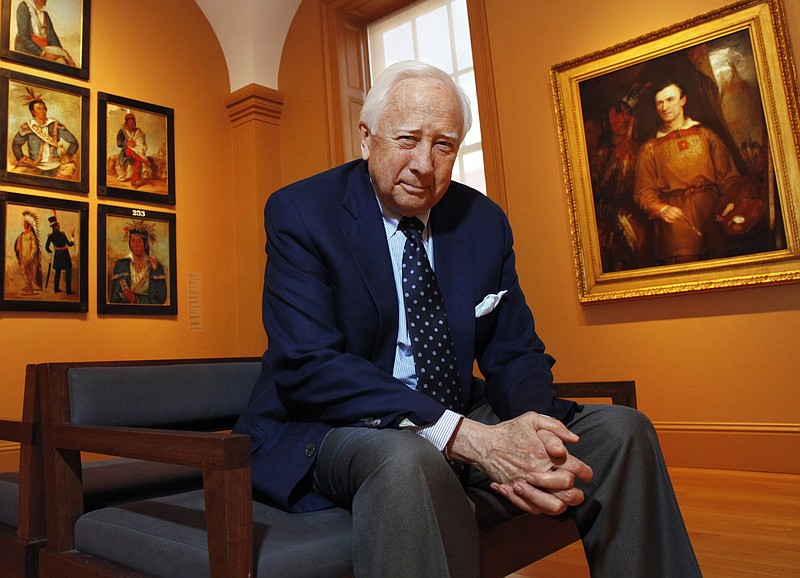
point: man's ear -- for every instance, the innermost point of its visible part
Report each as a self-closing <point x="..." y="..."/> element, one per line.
<point x="365" y="140"/>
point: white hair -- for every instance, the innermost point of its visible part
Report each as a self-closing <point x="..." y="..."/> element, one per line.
<point x="375" y="103"/>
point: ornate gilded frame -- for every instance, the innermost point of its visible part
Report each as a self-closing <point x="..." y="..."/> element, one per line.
<point x="751" y="34"/>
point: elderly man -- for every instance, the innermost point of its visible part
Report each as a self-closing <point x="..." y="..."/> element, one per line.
<point x="384" y="283"/>
<point x="680" y="175"/>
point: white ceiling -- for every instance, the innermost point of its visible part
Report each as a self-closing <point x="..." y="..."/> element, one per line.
<point x="251" y="33"/>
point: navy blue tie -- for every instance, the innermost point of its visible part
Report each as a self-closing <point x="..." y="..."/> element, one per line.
<point x="434" y="355"/>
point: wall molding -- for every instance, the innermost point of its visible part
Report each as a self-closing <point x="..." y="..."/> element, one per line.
<point x="746" y="446"/>
<point x="255" y="103"/>
<point x="727" y="427"/>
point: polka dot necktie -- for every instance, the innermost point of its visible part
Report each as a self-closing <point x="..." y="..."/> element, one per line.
<point x="434" y="355"/>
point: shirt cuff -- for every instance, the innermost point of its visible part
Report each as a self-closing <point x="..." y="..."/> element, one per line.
<point x="440" y="432"/>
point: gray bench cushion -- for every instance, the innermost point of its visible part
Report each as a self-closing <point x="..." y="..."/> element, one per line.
<point x="108" y="482"/>
<point x="123" y="396"/>
<point x="9" y="499"/>
<point x="165" y="537"/>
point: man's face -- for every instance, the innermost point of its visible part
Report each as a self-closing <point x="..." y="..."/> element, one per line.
<point x="670" y="103"/>
<point x="619" y="121"/>
<point x="137" y="245"/>
<point x="412" y="151"/>
<point x="40" y="3"/>
<point x="40" y="112"/>
<point x="130" y="124"/>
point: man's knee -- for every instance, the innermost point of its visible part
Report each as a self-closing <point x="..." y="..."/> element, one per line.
<point x="403" y="453"/>
<point x="613" y="427"/>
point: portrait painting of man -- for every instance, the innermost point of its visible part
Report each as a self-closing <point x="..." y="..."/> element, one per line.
<point x="47" y="34"/>
<point x="42" y="254"/>
<point x="45" y="132"/>
<point x="678" y="153"/>
<point x="136" y="150"/>
<point x="679" y="156"/>
<point x="138" y="260"/>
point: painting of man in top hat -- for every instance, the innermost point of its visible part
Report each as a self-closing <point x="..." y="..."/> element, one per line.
<point x="44" y="261"/>
<point x="58" y="245"/>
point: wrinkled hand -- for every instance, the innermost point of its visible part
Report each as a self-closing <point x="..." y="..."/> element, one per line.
<point x="526" y="459"/>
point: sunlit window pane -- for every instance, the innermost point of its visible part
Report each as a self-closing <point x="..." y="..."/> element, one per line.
<point x="461" y="42"/>
<point x="467" y="83"/>
<point x="398" y="44"/>
<point x="472" y="170"/>
<point x="433" y="39"/>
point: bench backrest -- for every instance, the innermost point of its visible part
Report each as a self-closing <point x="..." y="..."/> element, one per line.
<point x="197" y="394"/>
<point x="186" y="393"/>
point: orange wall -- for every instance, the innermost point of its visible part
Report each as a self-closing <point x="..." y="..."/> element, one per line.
<point x="717" y="372"/>
<point x="167" y="54"/>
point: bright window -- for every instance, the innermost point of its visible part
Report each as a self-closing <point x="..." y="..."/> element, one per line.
<point x="435" y="32"/>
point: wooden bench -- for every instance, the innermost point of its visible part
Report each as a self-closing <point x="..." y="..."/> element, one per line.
<point x="179" y="411"/>
<point x="105" y="482"/>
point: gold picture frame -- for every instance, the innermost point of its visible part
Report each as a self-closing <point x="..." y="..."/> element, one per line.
<point x="731" y="167"/>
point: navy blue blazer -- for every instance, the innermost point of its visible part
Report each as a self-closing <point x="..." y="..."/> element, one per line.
<point x="330" y="311"/>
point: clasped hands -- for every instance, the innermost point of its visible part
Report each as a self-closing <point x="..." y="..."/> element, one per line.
<point x="526" y="459"/>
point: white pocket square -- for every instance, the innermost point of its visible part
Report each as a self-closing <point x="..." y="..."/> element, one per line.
<point x="489" y="303"/>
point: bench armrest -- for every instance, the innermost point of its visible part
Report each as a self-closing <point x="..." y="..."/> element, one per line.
<point x="17" y="431"/>
<point x="227" y="482"/>
<point x="186" y="448"/>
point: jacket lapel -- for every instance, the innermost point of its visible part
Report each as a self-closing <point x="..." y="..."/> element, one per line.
<point x="455" y="273"/>
<point x="365" y="235"/>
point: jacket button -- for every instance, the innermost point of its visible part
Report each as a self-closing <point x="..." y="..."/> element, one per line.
<point x="310" y="449"/>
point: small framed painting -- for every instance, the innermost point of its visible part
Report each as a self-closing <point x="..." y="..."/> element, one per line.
<point x="45" y="253"/>
<point x="46" y="133"/>
<point x="135" y="150"/>
<point x="53" y="38"/>
<point x="136" y="266"/>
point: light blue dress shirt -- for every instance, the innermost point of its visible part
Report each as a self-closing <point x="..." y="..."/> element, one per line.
<point x="438" y="433"/>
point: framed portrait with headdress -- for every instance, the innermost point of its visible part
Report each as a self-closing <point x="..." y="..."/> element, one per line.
<point x="51" y="35"/>
<point x="135" y="150"/>
<point x="136" y="266"/>
<point x="45" y="128"/>
<point x="680" y="154"/>
<point x="44" y="244"/>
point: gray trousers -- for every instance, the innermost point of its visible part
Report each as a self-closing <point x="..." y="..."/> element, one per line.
<point x="412" y="517"/>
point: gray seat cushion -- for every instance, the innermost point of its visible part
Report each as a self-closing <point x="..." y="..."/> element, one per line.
<point x="108" y="482"/>
<point x="9" y="499"/>
<point x="165" y="537"/>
